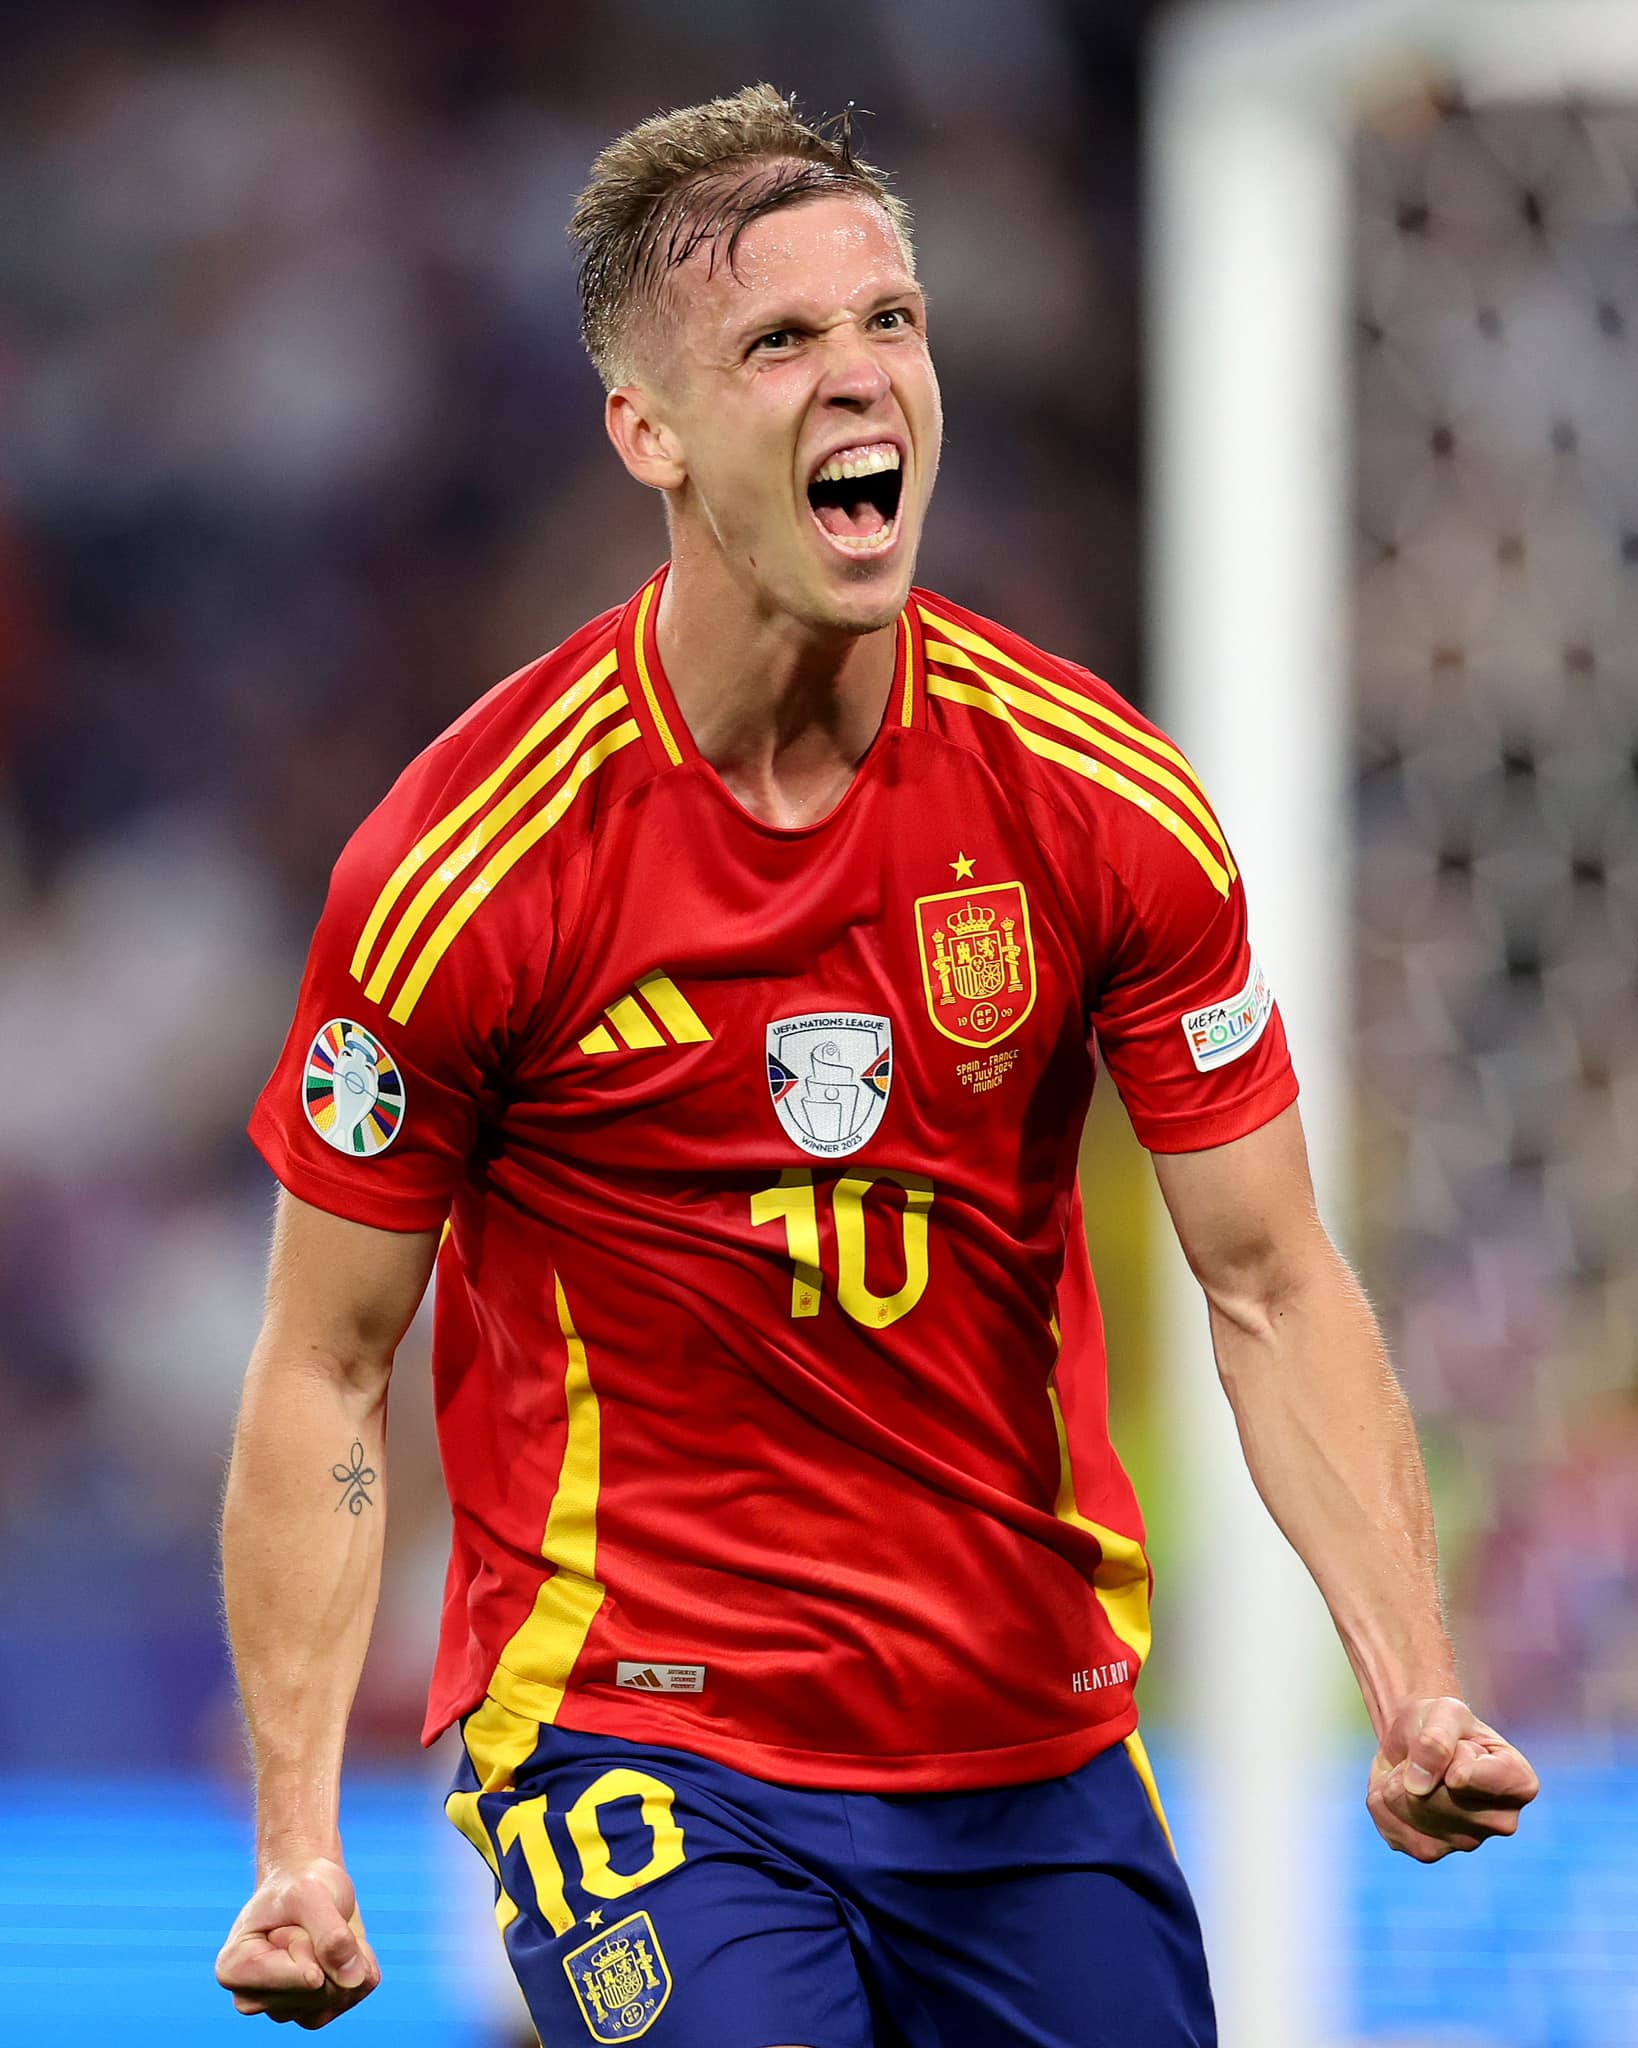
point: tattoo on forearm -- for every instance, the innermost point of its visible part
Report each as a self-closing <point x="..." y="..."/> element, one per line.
<point x="353" y="1479"/>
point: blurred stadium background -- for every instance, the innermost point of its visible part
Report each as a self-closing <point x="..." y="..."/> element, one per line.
<point x="298" y="452"/>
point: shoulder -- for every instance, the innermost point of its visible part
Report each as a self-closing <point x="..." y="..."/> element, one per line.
<point x="514" y="780"/>
<point x="1040" y="717"/>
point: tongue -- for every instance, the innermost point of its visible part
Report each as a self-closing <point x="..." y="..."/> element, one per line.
<point x="852" y="521"/>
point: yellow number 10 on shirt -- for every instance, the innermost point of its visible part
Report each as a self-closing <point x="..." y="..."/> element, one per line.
<point x="795" y="1203"/>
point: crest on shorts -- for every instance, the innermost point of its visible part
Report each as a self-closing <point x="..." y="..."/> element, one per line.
<point x="352" y="1091"/>
<point x="977" y="961"/>
<point x="829" y="1075"/>
<point x="620" y="1979"/>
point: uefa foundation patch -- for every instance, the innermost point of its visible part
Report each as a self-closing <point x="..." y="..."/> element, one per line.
<point x="1223" y="1031"/>
<point x="352" y="1091"/>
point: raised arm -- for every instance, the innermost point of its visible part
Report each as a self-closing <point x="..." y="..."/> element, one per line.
<point x="301" y="1562"/>
<point x="1332" y="1449"/>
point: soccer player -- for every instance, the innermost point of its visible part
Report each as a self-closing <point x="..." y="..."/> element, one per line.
<point x="713" y="1004"/>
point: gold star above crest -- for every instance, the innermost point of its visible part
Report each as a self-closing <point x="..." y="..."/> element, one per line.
<point x="963" y="867"/>
<point x="595" y="1917"/>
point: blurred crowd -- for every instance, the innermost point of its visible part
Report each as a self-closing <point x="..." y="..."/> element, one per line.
<point x="298" y="453"/>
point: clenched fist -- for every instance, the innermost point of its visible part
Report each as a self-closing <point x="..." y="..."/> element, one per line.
<point x="1444" y="1780"/>
<point x="297" y="1951"/>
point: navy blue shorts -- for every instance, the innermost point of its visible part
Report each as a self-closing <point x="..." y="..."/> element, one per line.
<point x="647" y="1893"/>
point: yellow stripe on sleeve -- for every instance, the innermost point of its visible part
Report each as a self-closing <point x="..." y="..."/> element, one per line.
<point x="673" y="1009"/>
<point x="489" y="827"/>
<point x="1076" y="700"/>
<point x="647" y="681"/>
<point x="1094" y="771"/>
<point x="429" y="843"/>
<point x="500" y="864"/>
<point x="534" y="1668"/>
<point x="1186" y="792"/>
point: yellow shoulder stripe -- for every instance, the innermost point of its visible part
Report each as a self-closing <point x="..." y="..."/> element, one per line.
<point x="493" y="822"/>
<point x="429" y="843"/>
<point x="1094" y="771"/>
<point x="500" y="864"/>
<point x="1187" y="792"/>
<point x="1074" y="700"/>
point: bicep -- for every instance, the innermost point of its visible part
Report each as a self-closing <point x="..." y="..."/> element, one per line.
<point x="1244" y="1212"/>
<point x="340" y="1294"/>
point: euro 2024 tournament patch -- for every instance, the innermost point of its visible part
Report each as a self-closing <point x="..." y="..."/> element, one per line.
<point x="352" y="1091"/>
<point x="620" y="1979"/>
<point x="829" y="1076"/>
<point x="1222" y="1031"/>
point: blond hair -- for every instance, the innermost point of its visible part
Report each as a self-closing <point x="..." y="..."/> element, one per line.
<point x="697" y="178"/>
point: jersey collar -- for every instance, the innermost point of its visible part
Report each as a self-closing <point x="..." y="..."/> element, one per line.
<point x="664" y="728"/>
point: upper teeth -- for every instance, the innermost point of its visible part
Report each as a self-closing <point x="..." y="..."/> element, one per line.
<point x="858" y="462"/>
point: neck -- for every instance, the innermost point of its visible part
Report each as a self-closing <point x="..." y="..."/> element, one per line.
<point x="783" y="711"/>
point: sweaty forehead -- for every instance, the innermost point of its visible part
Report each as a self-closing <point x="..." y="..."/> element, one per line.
<point x="821" y="256"/>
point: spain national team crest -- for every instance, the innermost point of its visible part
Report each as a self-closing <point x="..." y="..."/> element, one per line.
<point x="620" y="1978"/>
<point x="977" y="961"/>
<point x="352" y="1091"/>
<point x="829" y="1076"/>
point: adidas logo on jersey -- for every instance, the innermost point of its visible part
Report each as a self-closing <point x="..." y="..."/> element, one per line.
<point x="656" y="1013"/>
<point x="660" y="1677"/>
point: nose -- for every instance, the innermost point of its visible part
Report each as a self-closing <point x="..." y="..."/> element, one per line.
<point x="854" y="378"/>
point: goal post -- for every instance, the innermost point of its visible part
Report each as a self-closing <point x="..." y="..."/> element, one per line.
<point x="1253" y="115"/>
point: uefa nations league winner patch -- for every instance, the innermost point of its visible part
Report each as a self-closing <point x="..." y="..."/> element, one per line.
<point x="829" y="1075"/>
<point x="352" y="1090"/>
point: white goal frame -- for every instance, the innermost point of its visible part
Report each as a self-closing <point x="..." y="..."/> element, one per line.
<point x="1253" y="111"/>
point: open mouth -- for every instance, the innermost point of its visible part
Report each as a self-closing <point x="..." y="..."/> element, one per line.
<point x="855" y="497"/>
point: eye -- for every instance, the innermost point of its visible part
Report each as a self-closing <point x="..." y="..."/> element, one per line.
<point x="893" y="320"/>
<point x="776" y="342"/>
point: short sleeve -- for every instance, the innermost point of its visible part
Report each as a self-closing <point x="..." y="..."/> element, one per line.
<point x="1185" y="1018"/>
<point x="375" y="1107"/>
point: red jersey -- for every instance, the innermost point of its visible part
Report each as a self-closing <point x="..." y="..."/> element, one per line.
<point x="769" y="1372"/>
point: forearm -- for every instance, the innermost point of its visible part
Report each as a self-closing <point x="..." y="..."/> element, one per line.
<point x="301" y="1568"/>
<point x="1331" y="1445"/>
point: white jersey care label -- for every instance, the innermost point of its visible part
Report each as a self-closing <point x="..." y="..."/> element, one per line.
<point x="660" y="1677"/>
<point x="1222" y="1031"/>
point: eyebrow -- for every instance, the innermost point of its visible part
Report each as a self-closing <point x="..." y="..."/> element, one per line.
<point x="773" y="322"/>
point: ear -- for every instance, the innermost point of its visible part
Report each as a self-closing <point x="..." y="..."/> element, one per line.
<point x="643" y="441"/>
